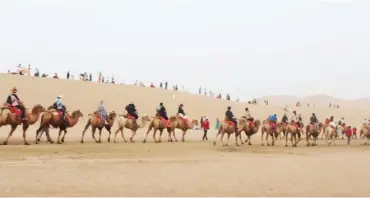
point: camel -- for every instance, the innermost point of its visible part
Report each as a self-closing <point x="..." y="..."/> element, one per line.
<point x="364" y="130"/>
<point x="157" y="124"/>
<point x="227" y="126"/>
<point x="269" y="131"/>
<point x="295" y="133"/>
<point x="244" y="125"/>
<point x="340" y="131"/>
<point x="128" y="123"/>
<point x="53" y="117"/>
<point x="96" y="122"/>
<point x="281" y="129"/>
<point x="178" y="123"/>
<point x="330" y="135"/>
<point x="7" y="117"/>
<point x="314" y="132"/>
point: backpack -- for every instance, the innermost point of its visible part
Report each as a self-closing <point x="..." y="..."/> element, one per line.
<point x="9" y="100"/>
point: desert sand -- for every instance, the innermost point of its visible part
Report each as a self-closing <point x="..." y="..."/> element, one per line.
<point x="191" y="168"/>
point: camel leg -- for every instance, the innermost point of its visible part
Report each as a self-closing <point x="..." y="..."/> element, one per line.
<point x="154" y="134"/>
<point x="115" y="134"/>
<point x="13" y="127"/>
<point x="133" y="135"/>
<point x="123" y="136"/>
<point x="183" y="135"/>
<point x="147" y="133"/>
<point x="169" y="139"/>
<point x="307" y="139"/>
<point x="100" y="130"/>
<point x="47" y="133"/>
<point x="273" y="139"/>
<point x="93" y="130"/>
<point x="37" y="140"/>
<point x="262" y="133"/>
<point x="237" y="135"/>
<point x="64" y="135"/>
<point x="267" y="139"/>
<point x="174" y="134"/>
<point x="60" y="133"/>
<point x="222" y="139"/>
<point x="109" y="131"/>
<point x="83" y="135"/>
<point x="25" y="127"/>
<point x="286" y="139"/>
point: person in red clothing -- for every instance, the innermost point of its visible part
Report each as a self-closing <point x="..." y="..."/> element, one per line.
<point x="348" y="134"/>
<point x="205" y="126"/>
<point x="354" y="133"/>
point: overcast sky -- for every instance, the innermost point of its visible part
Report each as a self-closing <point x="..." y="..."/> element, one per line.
<point x="245" y="48"/>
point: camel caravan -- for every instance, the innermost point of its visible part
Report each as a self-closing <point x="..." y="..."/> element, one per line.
<point x="56" y="116"/>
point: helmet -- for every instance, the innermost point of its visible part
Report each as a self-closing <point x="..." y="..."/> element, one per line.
<point x="161" y="103"/>
<point x="228" y="107"/>
<point x="246" y="109"/>
<point x="131" y="102"/>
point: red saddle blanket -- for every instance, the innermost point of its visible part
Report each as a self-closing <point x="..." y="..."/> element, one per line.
<point x="129" y="116"/>
<point x="185" y="120"/>
<point x="251" y="124"/>
<point x="272" y="125"/>
<point x="165" y="122"/>
<point x="231" y="123"/>
<point x="15" y="110"/>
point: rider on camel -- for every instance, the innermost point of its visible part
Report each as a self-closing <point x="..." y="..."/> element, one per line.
<point x="284" y="119"/>
<point x="182" y="114"/>
<point x="58" y="105"/>
<point x="272" y="119"/>
<point x="102" y="112"/>
<point x="161" y="111"/>
<point x="293" y="119"/>
<point x="230" y="116"/>
<point x="13" y="100"/>
<point x="332" y="122"/>
<point x="132" y="111"/>
<point x="313" y="120"/>
<point x="247" y="115"/>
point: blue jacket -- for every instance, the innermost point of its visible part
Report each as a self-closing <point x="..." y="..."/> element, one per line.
<point x="273" y="118"/>
<point x="59" y="103"/>
<point x="101" y="110"/>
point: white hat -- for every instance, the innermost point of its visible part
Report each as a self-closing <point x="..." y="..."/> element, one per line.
<point x="131" y="102"/>
<point x="59" y="96"/>
<point x="205" y="117"/>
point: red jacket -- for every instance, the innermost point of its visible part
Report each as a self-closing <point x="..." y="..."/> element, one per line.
<point x="354" y="130"/>
<point x="205" y="124"/>
<point x="348" y="132"/>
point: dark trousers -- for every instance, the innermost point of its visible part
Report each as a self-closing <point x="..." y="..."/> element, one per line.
<point x="134" y="115"/>
<point x="23" y="110"/>
<point x="63" y="112"/>
<point x="205" y="134"/>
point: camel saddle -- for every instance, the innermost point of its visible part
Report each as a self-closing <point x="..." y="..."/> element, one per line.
<point x="15" y="110"/>
<point x="251" y="124"/>
<point x="313" y="126"/>
<point x="59" y="113"/>
<point x="185" y="120"/>
<point x="231" y="123"/>
<point x="165" y="122"/>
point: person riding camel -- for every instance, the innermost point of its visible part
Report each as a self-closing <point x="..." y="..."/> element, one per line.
<point x="14" y="101"/>
<point x="327" y="120"/>
<point x="272" y="121"/>
<point x="161" y="111"/>
<point x="230" y="116"/>
<point x="341" y="122"/>
<point x="182" y="114"/>
<point x="284" y="119"/>
<point x="102" y="112"/>
<point x="59" y="106"/>
<point x="332" y="122"/>
<point x="132" y="111"/>
<point x="247" y="115"/>
<point x="313" y="120"/>
<point x="293" y="119"/>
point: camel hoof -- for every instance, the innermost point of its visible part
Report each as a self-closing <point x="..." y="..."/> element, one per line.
<point x="286" y="145"/>
<point x="308" y="144"/>
<point x="237" y="145"/>
<point x="62" y="140"/>
<point x="59" y="142"/>
<point x="26" y="143"/>
<point x="5" y="143"/>
<point x="144" y="141"/>
<point x="250" y="144"/>
<point x="214" y="143"/>
<point x="262" y="145"/>
<point x="81" y="142"/>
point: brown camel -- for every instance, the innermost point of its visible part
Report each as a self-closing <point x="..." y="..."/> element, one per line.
<point x="295" y="133"/>
<point x="178" y="123"/>
<point x="281" y="129"/>
<point x="330" y="135"/>
<point x="54" y="118"/>
<point x="157" y="124"/>
<point x="9" y="118"/>
<point x="128" y="123"/>
<point x="243" y="125"/>
<point x="97" y="122"/>
<point x="227" y="126"/>
<point x="314" y="132"/>
<point x="269" y="131"/>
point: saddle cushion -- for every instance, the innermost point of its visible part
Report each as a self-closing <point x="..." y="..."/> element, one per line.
<point x="231" y="123"/>
<point x="272" y="124"/>
<point x="165" y="122"/>
<point x="15" y="110"/>
<point x="130" y="117"/>
<point x="185" y="120"/>
<point x="251" y="124"/>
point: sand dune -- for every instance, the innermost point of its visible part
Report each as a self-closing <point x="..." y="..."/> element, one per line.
<point x="192" y="168"/>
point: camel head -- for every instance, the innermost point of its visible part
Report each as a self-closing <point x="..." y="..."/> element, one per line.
<point x="37" y="109"/>
<point x="257" y="123"/>
<point x="145" y="118"/>
<point x="77" y="114"/>
<point x="112" y="115"/>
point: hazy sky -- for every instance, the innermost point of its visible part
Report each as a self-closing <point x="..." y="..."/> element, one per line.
<point x="245" y="48"/>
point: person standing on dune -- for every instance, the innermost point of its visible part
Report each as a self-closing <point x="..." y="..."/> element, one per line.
<point x="205" y="127"/>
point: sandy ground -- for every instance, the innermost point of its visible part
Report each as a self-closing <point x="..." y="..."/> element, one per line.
<point x="193" y="168"/>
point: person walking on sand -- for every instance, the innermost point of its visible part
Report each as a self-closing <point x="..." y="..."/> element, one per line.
<point x="205" y="127"/>
<point x="217" y="123"/>
<point x="348" y="134"/>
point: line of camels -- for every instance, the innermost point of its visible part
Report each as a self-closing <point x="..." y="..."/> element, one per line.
<point x="51" y="117"/>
